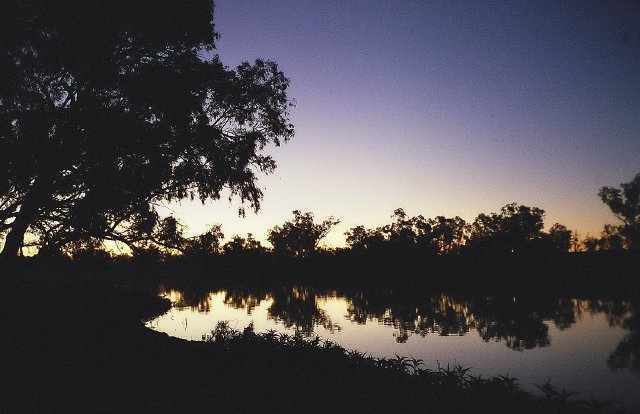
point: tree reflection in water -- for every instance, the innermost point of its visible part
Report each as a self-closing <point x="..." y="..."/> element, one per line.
<point x="295" y="307"/>
<point x="247" y="300"/>
<point x="298" y="308"/>
<point x="515" y="321"/>
<point x="521" y="322"/>
<point x="627" y="353"/>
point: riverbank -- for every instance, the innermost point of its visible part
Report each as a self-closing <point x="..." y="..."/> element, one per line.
<point x="74" y="343"/>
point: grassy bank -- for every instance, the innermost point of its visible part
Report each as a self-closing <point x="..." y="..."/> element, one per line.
<point x="74" y="342"/>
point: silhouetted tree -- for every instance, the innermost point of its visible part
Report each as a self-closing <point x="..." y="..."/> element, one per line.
<point x="363" y="240"/>
<point x="511" y="231"/>
<point x="204" y="244"/>
<point x="411" y="235"/>
<point x="591" y="244"/>
<point x="624" y="202"/>
<point x="407" y="232"/>
<point x="449" y="234"/>
<point x="301" y="236"/>
<point x="576" y="243"/>
<point x="108" y="108"/>
<point x="356" y="237"/>
<point x="611" y="239"/>
<point x="87" y="249"/>
<point x="404" y="234"/>
<point x="239" y="244"/>
<point x="560" y="237"/>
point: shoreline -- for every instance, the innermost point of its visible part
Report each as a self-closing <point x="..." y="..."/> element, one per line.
<point x="77" y="344"/>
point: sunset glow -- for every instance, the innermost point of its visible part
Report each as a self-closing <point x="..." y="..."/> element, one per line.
<point x="440" y="109"/>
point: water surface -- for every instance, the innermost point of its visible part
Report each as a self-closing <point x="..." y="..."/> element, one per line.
<point x="583" y="345"/>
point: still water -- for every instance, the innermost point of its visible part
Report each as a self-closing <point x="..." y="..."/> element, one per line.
<point x="589" y="346"/>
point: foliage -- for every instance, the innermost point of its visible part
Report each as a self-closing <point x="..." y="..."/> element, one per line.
<point x="624" y="202"/>
<point x="239" y="244"/>
<point x="591" y="244"/>
<point x="109" y="109"/>
<point x="513" y="230"/>
<point x="301" y="236"/>
<point x="82" y="249"/>
<point x="560" y="237"/>
<point x="204" y="244"/>
<point x="406" y="232"/>
<point x="610" y="240"/>
<point x="449" y="235"/>
<point x="361" y="239"/>
<point x="411" y="234"/>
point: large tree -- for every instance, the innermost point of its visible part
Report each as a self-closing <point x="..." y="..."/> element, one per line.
<point x="624" y="202"/>
<point x="109" y="108"/>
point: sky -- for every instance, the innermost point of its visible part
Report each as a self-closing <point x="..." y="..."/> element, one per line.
<point x="440" y="108"/>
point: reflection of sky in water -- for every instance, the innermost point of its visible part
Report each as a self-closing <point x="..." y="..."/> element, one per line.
<point x="576" y="358"/>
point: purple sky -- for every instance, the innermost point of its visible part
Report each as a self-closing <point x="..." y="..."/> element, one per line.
<point x="442" y="108"/>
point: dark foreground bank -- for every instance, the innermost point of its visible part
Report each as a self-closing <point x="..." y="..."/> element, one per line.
<point x="73" y="342"/>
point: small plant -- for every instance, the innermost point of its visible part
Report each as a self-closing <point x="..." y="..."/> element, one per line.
<point x="551" y="392"/>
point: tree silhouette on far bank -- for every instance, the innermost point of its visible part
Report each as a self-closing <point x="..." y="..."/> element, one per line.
<point x="240" y="245"/>
<point x="624" y="202"/>
<point x="110" y="108"/>
<point x="299" y="237"/>
<point x="416" y="235"/>
<point x="560" y="237"/>
<point x="515" y="229"/>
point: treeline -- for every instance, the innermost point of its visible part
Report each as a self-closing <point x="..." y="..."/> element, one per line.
<point x="508" y="251"/>
<point x="514" y="230"/>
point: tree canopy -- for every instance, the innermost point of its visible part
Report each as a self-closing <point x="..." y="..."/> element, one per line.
<point x="417" y="234"/>
<point x="516" y="229"/>
<point x="301" y="236"/>
<point x="624" y="202"/>
<point x="108" y="109"/>
<point x="513" y="230"/>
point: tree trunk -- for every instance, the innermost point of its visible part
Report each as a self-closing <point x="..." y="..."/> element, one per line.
<point x="25" y="216"/>
<point x="14" y="239"/>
